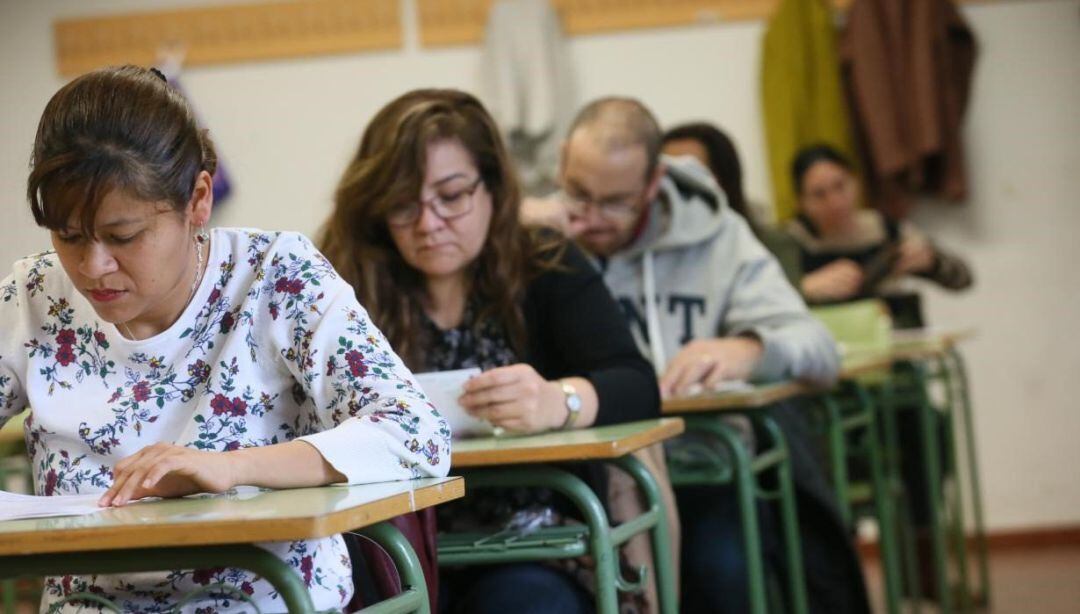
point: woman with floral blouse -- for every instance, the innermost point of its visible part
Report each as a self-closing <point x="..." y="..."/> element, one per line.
<point x="158" y="359"/>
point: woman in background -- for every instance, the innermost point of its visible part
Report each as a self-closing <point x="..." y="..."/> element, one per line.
<point x="425" y="227"/>
<point x="850" y="253"/>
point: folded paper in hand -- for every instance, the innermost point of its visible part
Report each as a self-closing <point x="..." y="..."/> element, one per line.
<point x="443" y="389"/>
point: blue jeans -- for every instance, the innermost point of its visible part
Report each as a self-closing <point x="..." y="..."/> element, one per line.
<point x="714" y="578"/>
<point x="518" y="588"/>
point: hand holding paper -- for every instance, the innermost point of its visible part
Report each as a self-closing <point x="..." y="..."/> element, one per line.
<point x="443" y="388"/>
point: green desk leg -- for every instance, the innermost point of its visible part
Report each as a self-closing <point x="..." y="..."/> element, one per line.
<point x="661" y="541"/>
<point x="891" y="460"/>
<point x="14" y="465"/>
<point x="601" y="547"/>
<point x="245" y="556"/>
<point x="746" y="496"/>
<point x="955" y="515"/>
<point x="414" y="595"/>
<point x="836" y="435"/>
<point x="959" y="368"/>
<point x="7" y="589"/>
<point x="928" y="426"/>
<point x="789" y="518"/>
<point x="890" y="555"/>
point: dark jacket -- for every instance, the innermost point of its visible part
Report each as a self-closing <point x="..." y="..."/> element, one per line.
<point x="908" y="67"/>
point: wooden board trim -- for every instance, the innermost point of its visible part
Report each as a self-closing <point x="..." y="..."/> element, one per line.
<point x="232" y="33"/>
<point x="462" y="22"/>
<point x="1005" y="540"/>
<point x="233" y="531"/>
<point x="665" y="428"/>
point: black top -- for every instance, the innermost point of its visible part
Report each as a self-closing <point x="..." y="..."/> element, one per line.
<point x="574" y="327"/>
<point x="875" y="247"/>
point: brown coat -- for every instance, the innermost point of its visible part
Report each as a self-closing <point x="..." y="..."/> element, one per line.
<point x="908" y="68"/>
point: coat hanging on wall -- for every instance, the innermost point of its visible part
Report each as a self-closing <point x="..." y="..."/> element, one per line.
<point x="908" y="67"/>
<point x="527" y="85"/>
<point x="801" y="91"/>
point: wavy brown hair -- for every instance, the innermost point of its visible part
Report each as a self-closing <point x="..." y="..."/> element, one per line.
<point x="388" y="170"/>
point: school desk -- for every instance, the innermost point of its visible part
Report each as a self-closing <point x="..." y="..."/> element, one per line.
<point x="929" y="360"/>
<point x="221" y="530"/>
<point x="532" y="461"/>
<point x="718" y="454"/>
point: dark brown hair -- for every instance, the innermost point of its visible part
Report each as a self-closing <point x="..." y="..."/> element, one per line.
<point x="387" y="171"/>
<point x="119" y="128"/>
<point x="811" y="155"/>
<point x="723" y="159"/>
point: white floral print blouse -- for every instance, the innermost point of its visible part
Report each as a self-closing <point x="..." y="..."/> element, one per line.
<point x="272" y="347"/>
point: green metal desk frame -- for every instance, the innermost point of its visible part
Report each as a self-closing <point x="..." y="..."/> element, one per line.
<point x="596" y="538"/>
<point x="414" y="597"/>
<point x="733" y="464"/>
<point x="850" y="416"/>
<point x="947" y="530"/>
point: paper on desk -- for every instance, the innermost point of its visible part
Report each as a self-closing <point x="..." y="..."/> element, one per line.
<point x="443" y="389"/>
<point x="735" y="385"/>
<point x="14" y="506"/>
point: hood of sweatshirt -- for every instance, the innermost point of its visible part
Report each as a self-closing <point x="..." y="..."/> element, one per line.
<point x="690" y="208"/>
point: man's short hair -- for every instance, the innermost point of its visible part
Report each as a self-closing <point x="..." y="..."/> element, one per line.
<point x="618" y="123"/>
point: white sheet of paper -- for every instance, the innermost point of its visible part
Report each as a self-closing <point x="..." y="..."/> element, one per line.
<point x="14" y="506"/>
<point x="443" y="389"/>
<point x="735" y="385"/>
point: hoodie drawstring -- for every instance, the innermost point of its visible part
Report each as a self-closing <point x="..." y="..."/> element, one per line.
<point x="652" y="314"/>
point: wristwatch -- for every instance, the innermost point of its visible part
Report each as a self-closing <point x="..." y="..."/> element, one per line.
<point x="573" y="404"/>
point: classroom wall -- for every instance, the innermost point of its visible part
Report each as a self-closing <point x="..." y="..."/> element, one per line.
<point x="286" y="128"/>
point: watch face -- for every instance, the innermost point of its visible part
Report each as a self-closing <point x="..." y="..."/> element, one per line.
<point x="573" y="402"/>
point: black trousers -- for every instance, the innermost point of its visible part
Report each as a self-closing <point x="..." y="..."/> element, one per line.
<point x="713" y="564"/>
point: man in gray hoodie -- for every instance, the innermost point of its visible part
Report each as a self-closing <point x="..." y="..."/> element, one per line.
<point x="707" y="303"/>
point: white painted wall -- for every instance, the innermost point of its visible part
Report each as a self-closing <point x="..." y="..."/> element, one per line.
<point x="286" y="129"/>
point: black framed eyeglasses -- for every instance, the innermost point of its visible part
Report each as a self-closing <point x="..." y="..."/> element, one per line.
<point x="446" y="206"/>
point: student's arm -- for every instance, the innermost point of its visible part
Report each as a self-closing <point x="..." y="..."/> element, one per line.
<point x="12" y="396"/>
<point x="920" y="257"/>
<point x="368" y="420"/>
<point x="580" y="326"/>
<point x="763" y="305"/>
<point x="839" y="280"/>
<point x="587" y="330"/>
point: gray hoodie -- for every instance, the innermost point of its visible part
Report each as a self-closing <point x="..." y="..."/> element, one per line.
<point x="711" y="278"/>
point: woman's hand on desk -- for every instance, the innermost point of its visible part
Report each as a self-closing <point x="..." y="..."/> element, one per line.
<point x="166" y="470"/>
<point x="707" y="362"/>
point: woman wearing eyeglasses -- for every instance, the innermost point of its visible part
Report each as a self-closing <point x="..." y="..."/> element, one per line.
<point x="425" y="227"/>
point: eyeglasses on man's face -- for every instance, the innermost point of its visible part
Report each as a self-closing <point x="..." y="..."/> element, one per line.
<point x="451" y="201"/>
<point x="613" y="207"/>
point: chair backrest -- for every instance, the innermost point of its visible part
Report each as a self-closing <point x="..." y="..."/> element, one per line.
<point x="858" y="326"/>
